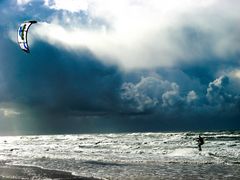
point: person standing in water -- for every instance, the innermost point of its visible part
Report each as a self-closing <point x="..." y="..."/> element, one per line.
<point x="200" y="141"/>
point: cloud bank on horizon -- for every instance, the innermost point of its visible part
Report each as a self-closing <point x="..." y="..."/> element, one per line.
<point x="132" y="59"/>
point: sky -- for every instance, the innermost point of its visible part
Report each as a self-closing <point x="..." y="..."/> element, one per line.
<point x="104" y="66"/>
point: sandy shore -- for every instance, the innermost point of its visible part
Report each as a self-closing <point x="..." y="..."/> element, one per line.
<point x="8" y="172"/>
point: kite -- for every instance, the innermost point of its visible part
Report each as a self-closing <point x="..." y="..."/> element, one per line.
<point x="22" y="35"/>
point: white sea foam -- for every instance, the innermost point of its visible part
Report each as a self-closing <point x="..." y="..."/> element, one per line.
<point x="123" y="155"/>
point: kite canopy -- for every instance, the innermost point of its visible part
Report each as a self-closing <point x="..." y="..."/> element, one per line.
<point x="22" y="35"/>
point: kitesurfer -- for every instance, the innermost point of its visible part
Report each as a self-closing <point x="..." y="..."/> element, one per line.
<point x="200" y="141"/>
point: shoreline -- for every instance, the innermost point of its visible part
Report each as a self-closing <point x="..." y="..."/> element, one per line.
<point x="33" y="172"/>
<point x="161" y="171"/>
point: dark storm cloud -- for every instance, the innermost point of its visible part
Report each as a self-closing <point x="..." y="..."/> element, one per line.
<point x="62" y="92"/>
<point x="52" y="78"/>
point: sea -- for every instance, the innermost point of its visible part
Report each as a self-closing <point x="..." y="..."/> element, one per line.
<point x="129" y="155"/>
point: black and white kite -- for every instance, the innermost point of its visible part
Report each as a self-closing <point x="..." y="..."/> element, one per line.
<point x="22" y="35"/>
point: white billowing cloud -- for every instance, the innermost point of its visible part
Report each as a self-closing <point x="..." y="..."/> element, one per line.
<point x="146" y="34"/>
<point x="171" y="97"/>
<point x="191" y="97"/>
<point x="154" y="93"/>
<point x="235" y="74"/>
<point x="217" y="93"/>
<point x="23" y="2"/>
<point x="138" y="100"/>
<point x="8" y="112"/>
<point x="150" y="93"/>
<point x="69" y="5"/>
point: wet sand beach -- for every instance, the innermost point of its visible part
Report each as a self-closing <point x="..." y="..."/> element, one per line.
<point x="165" y="171"/>
<point x="8" y="172"/>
